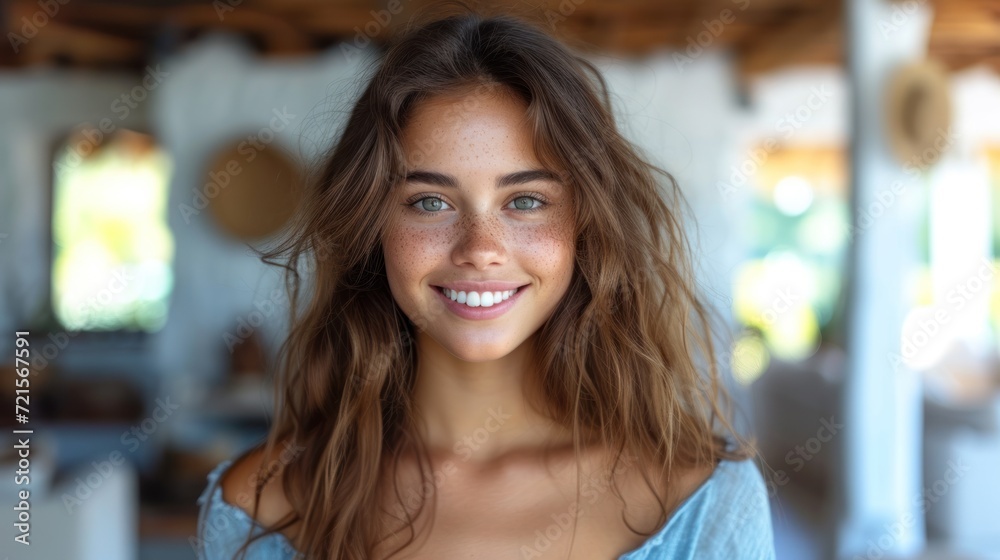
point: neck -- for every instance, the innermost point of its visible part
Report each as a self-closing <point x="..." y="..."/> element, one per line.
<point x="479" y="412"/>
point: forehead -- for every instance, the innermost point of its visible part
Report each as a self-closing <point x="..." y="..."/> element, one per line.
<point x="475" y="126"/>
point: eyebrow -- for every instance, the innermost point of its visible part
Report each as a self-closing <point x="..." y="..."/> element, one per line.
<point x="511" y="179"/>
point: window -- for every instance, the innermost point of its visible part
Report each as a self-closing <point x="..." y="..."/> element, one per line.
<point x="786" y="292"/>
<point x="112" y="248"/>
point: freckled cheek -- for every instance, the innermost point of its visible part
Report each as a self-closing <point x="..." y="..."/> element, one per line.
<point x="547" y="249"/>
<point x="411" y="253"/>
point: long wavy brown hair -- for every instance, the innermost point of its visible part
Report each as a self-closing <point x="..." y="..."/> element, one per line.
<point x="627" y="355"/>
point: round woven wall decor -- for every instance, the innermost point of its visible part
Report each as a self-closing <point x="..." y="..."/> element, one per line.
<point x="251" y="192"/>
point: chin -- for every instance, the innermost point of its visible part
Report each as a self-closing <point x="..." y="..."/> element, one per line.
<point x="480" y="354"/>
<point x="472" y="351"/>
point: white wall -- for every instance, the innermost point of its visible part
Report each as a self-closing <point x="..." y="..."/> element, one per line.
<point x="217" y="92"/>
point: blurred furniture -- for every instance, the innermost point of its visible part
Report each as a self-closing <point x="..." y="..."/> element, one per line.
<point x="962" y="458"/>
<point x="103" y="526"/>
<point x="797" y="408"/>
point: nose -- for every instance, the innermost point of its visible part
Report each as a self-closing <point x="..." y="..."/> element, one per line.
<point x="481" y="241"/>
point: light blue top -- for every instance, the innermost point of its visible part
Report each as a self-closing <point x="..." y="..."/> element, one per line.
<point x="726" y="518"/>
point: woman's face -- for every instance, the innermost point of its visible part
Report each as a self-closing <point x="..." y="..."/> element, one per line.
<point x="477" y="207"/>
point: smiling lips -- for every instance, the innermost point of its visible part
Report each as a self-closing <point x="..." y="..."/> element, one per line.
<point x="478" y="299"/>
<point x="472" y="304"/>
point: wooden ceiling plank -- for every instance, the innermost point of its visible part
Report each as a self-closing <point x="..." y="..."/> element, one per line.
<point x="805" y="41"/>
<point x="346" y="23"/>
<point x="81" y="45"/>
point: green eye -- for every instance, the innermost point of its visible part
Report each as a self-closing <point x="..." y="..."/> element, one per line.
<point x="433" y="204"/>
<point x="523" y="203"/>
<point x="427" y="204"/>
<point x="430" y="204"/>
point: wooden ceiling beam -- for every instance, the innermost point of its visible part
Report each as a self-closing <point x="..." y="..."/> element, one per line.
<point x="983" y="32"/>
<point x="766" y="34"/>
<point x="81" y="46"/>
<point x="278" y="35"/>
<point x="817" y="39"/>
<point x="343" y="23"/>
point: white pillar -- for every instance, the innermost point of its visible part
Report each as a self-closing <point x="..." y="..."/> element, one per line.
<point x="881" y="475"/>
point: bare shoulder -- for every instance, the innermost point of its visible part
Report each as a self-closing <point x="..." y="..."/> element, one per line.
<point x="634" y="479"/>
<point x="683" y="483"/>
<point x="693" y="478"/>
<point x="239" y="487"/>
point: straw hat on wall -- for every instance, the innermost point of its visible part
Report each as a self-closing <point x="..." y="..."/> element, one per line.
<point x="918" y="113"/>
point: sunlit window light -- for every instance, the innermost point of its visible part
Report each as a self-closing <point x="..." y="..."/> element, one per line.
<point x="777" y="295"/>
<point x="112" y="248"/>
<point x="793" y="195"/>
<point x="749" y="359"/>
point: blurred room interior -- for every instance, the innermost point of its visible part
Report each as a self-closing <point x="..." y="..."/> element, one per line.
<point x="145" y="144"/>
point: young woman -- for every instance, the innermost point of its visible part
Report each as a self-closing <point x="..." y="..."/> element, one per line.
<point x="499" y="351"/>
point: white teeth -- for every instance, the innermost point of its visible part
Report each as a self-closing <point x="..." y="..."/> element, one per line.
<point x="475" y="299"/>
